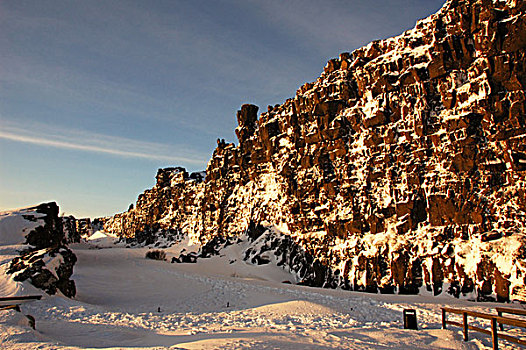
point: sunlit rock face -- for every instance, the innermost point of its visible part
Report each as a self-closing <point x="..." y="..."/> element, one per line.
<point x="401" y="167"/>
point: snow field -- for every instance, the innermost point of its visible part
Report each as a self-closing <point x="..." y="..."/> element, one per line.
<point x="119" y="293"/>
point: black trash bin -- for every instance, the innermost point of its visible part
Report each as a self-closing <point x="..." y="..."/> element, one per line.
<point x="410" y="319"/>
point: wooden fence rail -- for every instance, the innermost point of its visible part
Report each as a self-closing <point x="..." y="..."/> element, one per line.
<point x="19" y="299"/>
<point x="495" y="319"/>
<point x="508" y="310"/>
<point x="9" y="307"/>
<point x="13" y="303"/>
<point x="7" y="303"/>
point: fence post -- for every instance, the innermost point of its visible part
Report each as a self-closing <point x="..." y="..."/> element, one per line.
<point x="494" y="336"/>
<point x="501" y="326"/>
<point x="443" y="319"/>
<point x="465" y="325"/>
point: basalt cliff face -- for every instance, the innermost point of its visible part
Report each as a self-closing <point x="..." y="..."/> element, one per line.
<point x="402" y="166"/>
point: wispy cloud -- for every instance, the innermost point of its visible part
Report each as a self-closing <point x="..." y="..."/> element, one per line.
<point x="190" y="57"/>
<point x="75" y="86"/>
<point x="62" y="138"/>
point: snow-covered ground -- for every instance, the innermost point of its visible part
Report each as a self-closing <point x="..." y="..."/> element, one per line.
<point x="217" y="303"/>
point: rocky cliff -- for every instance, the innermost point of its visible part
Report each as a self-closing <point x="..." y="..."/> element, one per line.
<point x="402" y="166"/>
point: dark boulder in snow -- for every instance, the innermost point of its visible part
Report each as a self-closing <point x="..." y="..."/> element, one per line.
<point x="188" y="258"/>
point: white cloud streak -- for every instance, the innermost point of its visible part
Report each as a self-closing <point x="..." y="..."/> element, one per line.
<point x="84" y="141"/>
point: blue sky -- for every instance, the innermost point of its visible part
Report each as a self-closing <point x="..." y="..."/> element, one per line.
<point x="96" y="95"/>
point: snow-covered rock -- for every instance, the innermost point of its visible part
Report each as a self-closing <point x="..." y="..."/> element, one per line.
<point x="33" y="248"/>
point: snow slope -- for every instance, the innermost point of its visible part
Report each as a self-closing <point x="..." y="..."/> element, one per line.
<point x="219" y="303"/>
<point x="14" y="226"/>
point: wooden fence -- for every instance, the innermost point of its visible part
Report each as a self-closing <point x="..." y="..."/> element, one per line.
<point x="7" y="303"/>
<point x="495" y="320"/>
<point x="21" y="299"/>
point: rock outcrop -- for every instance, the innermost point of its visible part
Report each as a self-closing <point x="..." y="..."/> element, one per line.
<point x="45" y="259"/>
<point x="262" y="245"/>
<point x="402" y="166"/>
<point x="71" y="230"/>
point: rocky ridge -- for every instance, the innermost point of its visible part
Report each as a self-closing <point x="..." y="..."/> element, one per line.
<point x="262" y="245"/>
<point x="403" y="166"/>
